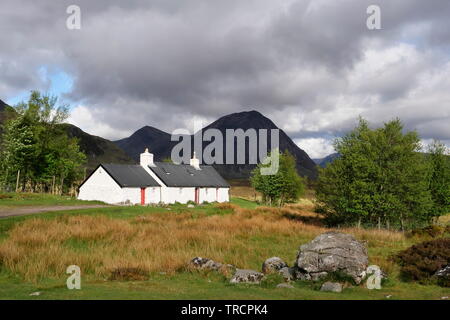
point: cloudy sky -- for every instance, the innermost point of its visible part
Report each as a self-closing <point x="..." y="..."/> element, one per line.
<point x="312" y="66"/>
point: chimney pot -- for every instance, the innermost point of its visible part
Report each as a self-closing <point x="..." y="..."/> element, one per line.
<point x="146" y="159"/>
<point x="195" y="162"/>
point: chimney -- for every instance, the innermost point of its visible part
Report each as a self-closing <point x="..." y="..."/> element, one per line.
<point x="147" y="158"/>
<point x="195" y="162"/>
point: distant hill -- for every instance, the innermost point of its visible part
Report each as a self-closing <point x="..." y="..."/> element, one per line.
<point x="97" y="149"/>
<point x="328" y="159"/>
<point x="157" y="141"/>
<point x="160" y="145"/>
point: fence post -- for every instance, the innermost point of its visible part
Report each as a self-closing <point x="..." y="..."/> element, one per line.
<point x="17" y="181"/>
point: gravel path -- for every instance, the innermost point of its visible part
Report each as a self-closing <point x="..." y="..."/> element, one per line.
<point x="20" y="211"/>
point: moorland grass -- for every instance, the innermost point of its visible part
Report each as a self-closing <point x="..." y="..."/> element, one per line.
<point x="36" y="250"/>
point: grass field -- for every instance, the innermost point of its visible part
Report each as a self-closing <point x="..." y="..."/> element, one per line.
<point x="36" y="250"/>
<point x="17" y="200"/>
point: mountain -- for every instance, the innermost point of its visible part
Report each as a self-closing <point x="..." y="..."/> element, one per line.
<point x="328" y="159"/>
<point x="2" y="106"/>
<point x="156" y="140"/>
<point x="97" y="149"/>
<point x="160" y="145"/>
<point x="3" y="113"/>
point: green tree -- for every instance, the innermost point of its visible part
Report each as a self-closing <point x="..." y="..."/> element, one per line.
<point x="35" y="143"/>
<point x="380" y="179"/>
<point x="284" y="186"/>
<point x="18" y="150"/>
<point x="439" y="164"/>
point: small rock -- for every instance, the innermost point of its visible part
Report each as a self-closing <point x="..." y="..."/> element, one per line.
<point x="444" y="272"/>
<point x="444" y="298"/>
<point x="285" y="286"/>
<point x="287" y="273"/>
<point x="331" y="287"/>
<point x="190" y="206"/>
<point x="273" y="264"/>
<point x="388" y="296"/>
<point x="246" y="276"/>
<point x="205" y="264"/>
<point x="35" y="293"/>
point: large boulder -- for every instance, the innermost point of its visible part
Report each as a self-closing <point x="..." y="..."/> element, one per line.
<point x="273" y="265"/>
<point x="332" y="252"/>
<point x="247" y="276"/>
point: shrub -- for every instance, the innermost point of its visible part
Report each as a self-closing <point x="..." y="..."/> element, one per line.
<point x="430" y="231"/>
<point x="420" y="262"/>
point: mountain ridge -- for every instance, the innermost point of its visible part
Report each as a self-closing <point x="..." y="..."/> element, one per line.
<point x="127" y="150"/>
<point x="160" y="145"/>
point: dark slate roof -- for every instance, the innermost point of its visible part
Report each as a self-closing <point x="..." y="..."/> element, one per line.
<point x="184" y="175"/>
<point x="132" y="176"/>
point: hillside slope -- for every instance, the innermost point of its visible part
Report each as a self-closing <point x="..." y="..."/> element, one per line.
<point x="98" y="150"/>
<point x="326" y="160"/>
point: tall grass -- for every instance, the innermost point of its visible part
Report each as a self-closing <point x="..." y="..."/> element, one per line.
<point x="166" y="241"/>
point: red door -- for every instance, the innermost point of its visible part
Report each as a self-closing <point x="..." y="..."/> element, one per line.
<point x="142" y="196"/>
<point x="197" y="195"/>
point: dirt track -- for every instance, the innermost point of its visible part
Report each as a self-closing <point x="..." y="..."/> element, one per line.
<point x="20" y="211"/>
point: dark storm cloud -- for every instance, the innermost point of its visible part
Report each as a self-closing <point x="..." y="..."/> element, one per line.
<point x="312" y="66"/>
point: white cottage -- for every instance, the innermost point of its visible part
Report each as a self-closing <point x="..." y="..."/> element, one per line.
<point x="154" y="182"/>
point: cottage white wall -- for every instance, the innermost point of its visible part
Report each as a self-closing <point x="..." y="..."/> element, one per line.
<point x="181" y="195"/>
<point x="152" y="195"/>
<point x="224" y="195"/>
<point x="214" y="195"/>
<point x="101" y="187"/>
<point x="132" y="195"/>
<point x="207" y="195"/>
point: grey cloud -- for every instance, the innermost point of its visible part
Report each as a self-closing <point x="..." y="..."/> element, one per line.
<point x="163" y="62"/>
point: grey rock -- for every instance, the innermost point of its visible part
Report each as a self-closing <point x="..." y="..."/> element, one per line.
<point x="205" y="264"/>
<point x="190" y="206"/>
<point x="444" y="272"/>
<point x="287" y="273"/>
<point x="331" y="287"/>
<point x="332" y="252"/>
<point x="273" y="264"/>
<point x="38" y="293"/>
<point x="285" y="286"/>
<point x="247" y="276"/>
